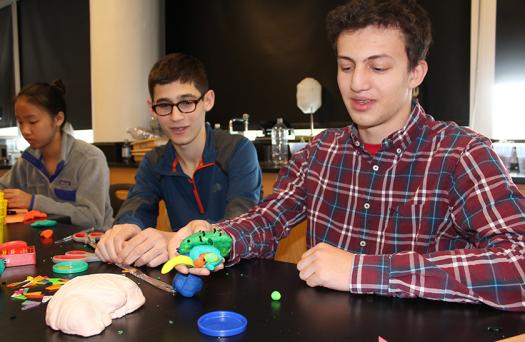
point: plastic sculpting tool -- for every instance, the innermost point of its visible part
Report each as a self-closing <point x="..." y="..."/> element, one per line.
<point x="152" y="281"/>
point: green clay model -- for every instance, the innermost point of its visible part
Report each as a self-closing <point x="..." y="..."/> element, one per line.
<point x="217" y="239"/>
<point x="202" y="249"/>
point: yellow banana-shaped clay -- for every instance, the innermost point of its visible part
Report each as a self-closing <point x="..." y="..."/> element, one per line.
<point x="178" y="260"/>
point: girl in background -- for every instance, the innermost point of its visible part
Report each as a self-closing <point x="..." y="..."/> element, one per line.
<point x="56" y="174"/>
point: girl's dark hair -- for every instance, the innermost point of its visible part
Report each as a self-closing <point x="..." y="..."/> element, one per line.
<point x="406" y="15"/>
<point x="50" y="97"/>
<point x="178" y="67"/>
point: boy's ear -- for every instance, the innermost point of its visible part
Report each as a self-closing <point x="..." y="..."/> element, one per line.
<point x="209" y="100"/>
<point x="418" y="73"/>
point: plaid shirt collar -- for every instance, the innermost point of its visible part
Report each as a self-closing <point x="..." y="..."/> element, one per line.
<point x="398" y="140"/>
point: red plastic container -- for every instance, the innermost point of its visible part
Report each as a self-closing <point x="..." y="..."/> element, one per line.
<point x="17" y="253"/>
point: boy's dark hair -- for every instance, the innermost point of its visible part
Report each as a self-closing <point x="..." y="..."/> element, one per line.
<point x="178" y="67"/>
<point x="50" y="97"/>
<point x="406" y="15"/>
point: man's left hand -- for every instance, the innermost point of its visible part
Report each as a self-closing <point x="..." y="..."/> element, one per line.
<point x="327" y="266"/>
<point x="149" y="247"/>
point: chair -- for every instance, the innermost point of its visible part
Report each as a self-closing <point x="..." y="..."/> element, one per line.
<point x="114" y="198"/>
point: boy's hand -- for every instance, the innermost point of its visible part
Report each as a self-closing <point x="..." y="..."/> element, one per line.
<point x="174" y="243"/>
<point x="327" y="266"/>
<point x="112" y="242"/>
<point x="148" y="247"/>
<point x="17" y="198"/>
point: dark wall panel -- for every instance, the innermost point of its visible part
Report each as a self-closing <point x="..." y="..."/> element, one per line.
<point x="445" y="92"/>
<point x="54" y="44"/>
<point x="7" y="76"/>
<point x="257" y="51"/>
<point x="510" y="41"/>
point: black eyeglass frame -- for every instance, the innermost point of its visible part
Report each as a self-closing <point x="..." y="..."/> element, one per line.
<point x="194" y="102"/>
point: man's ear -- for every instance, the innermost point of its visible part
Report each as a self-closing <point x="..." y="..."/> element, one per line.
<point x="418" y="73"/>
<point x="209" y="100"/>
<point x="59" y="118"/>
<point x="149" y="103"/>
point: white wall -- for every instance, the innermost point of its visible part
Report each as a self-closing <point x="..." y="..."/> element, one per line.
<point x="482" y="65"/>
<point x="126" y="40"/>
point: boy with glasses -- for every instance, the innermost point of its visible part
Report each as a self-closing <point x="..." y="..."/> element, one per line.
<point x="200" y="174"/>
<point x="398" y="203"/>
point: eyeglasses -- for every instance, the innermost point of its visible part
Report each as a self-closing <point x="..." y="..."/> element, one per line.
<point x="185" y="106"/>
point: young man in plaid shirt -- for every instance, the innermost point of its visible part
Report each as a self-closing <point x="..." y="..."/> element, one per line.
<point x="398" y="203"/>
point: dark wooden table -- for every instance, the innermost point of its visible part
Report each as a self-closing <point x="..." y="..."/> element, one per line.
<point x="303" y="314"/>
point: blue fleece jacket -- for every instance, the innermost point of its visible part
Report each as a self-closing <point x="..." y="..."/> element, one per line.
<point x="227" y="183"/>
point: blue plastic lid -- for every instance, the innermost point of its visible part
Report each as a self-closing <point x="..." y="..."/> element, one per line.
<point x="222" y="323"/>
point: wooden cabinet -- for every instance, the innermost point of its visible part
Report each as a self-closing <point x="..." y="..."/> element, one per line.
<point x="127" y="175"/>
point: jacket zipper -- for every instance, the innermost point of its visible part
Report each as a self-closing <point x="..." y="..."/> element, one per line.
<point x="192" y="181"/>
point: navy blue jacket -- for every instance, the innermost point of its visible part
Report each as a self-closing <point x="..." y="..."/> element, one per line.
<point x="227" y="183"/>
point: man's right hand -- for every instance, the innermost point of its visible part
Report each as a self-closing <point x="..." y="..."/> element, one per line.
<point x="194" y="226"/>
<point x="112" y="242"/>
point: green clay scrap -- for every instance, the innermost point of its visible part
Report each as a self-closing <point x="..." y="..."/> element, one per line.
<point x="44" y="223"/>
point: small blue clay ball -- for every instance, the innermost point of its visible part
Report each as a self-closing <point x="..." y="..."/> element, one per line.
<point x="187" y="285"/>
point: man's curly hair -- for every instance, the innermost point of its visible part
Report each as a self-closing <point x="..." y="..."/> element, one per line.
<point x="405" y="15"/>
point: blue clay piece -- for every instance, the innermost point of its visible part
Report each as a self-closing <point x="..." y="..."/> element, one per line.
<point x="187" y="285"/>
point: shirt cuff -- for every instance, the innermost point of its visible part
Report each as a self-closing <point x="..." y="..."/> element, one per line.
<point x="32" y="203"/>
<point x="370" y="274"/>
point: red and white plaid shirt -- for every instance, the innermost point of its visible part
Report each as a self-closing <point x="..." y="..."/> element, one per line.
<point x="433" y="214"/>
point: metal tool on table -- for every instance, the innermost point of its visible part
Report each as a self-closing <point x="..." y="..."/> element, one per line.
<point x="92" y="241"/>
<point x="152" y="281"/>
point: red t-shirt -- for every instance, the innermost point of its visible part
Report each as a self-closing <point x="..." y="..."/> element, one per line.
<point x="372" y="148"/>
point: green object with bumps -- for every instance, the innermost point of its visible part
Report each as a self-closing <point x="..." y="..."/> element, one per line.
<point x="216" y="238"/>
